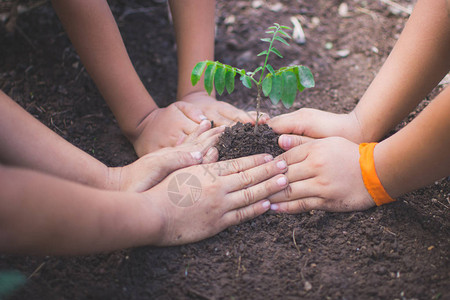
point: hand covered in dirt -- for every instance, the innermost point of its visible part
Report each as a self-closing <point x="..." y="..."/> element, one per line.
<point x="323" y="174"/>
<point x="167" y="127"/>
<point x="300" y="126"/>
<point x="152" y="168"/>
<point x="202" y="200"/>
<point x="220" y="112"/>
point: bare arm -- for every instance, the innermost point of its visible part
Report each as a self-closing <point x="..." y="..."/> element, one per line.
<point x="94" y="33"/>
<point x="194" y="30"/>
<point x="418" y="154"/>
<point x="26" y="142"/>
<point x="419" y="60"/>
<point x="41" y="214"/>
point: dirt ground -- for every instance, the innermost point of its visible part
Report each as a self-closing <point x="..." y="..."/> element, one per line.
<point x="398" y="251"/>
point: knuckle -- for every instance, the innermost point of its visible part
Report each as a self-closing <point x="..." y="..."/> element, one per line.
<point x="248" y="196"/>
<point x="299" y="206"/>
<point x="245" y="178"/>
<point x="235" y="165"/>
<point x="288" y="192"/>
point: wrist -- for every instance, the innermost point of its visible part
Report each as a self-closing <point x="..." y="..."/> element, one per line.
<point x="112" y="178"/>
<point x="370" y="175"/>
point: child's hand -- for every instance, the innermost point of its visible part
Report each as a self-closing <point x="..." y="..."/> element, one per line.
<point x="220" y="112"/>
<point x="165" y="127"/>
<point x="315" y="123"/>
<point x="325" y="175"/>
<point x="152" y="168"/>
<point x="200" y="201"/>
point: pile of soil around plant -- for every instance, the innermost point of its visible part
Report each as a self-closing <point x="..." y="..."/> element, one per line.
<point x="242" y="140"/>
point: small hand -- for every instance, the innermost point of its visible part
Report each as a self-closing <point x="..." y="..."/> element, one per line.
<point x="220" y="112"/>
<point x="152" y="168"/>
<point x="316" y="124"/>
<point x="200" y="201"/>
<point x="165" y="127"/>
<point x="325" y="175"/>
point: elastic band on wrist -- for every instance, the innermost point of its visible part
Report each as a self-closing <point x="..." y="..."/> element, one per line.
<point x="369" y="175"/>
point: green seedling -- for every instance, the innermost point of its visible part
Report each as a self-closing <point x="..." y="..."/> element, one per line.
<point x="281" y="84"/>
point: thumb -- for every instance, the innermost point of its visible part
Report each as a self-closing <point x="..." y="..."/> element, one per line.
<point x="288" y="141"/>
<point x="287" y="123"/>
<point x="191" y="111"/>
<point x="176" y="160"/>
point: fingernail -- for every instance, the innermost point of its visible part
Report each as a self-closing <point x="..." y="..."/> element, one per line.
<point x="204" y="122"/>
<point x="210" y="151"/>
<point x="285" y="141"/>
<point x="274" y="207"/>
<point x="266" y="204"/>
<point x="281" y="165"/>
<point x="203" y="117"/>
<point x="268" y="158"/>
<point x="197" y="155"/>
<point x="282" y="181"/>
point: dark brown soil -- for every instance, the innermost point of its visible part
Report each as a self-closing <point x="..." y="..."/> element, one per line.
<point x="397" y="251"/>
<point x="242" y="140"/>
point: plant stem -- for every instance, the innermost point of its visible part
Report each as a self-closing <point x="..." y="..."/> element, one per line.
<point x="258" y="106"/>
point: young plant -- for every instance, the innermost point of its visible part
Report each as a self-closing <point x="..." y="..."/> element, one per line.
<point x="281" y="84"/>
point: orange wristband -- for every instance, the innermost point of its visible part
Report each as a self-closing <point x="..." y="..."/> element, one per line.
<point x="369" y="175"/>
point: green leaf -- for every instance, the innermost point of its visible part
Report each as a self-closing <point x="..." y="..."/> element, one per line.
<point x="268" y="40"/>
<point x="209" y="78"/>
<point x="289" y="88"/>
<point x="219" y="79"/>
<point x="197" y="72"/>
<point x="229" y="80"/>
<point x="306" y="77"/>
<point x="280" y="39"/>
<point x="262" y="53"/>
<point x="277" y="88"/>
<point x="270" y="31"/>
<point x="285" y="27"/>
<point x="10" y="281"/>
<point x="274" y="50"/>
<point x="272" y="27"/>
<point x="267" y="85"/>
<point x="257" y="70"/>
<point x="270" y="69"/>
<point x="246" y="81"/>
<point x="284" y="33"/>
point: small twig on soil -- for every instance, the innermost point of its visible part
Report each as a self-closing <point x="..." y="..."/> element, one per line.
<point x="367" y="12"/>
<point x="198" y="294"/>
<point x="397" y="6"/>
<point x="37" y="270"/>
<point x="388" y="231"/>
<point x="53" y="124"/>
<point x="239" y="266"/>
<point x="295" y="242"/>
<point x="131" y="11"/>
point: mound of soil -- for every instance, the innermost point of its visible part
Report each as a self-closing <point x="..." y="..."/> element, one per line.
<point x="241" y="140"/>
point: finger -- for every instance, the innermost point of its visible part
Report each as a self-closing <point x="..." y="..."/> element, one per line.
<point x="241" y="215"/>
<point x="287" y="123"/>
<point x="296" y="190"/>
<point x="212" y="155"/>
<point x="191" y="111"/>
<point x="219" y="119"/>
<point x="298" y="206"/>
<point x="232" y="166"/>
<point x="211" y="132"/>
<point x="296" y="154"/>
<point x="175" y="160"/>
<point x="255" y="193"/>
<point x="203" y="127"/>
<point x="255" y="175"/>
<point x="288" y="141"/>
